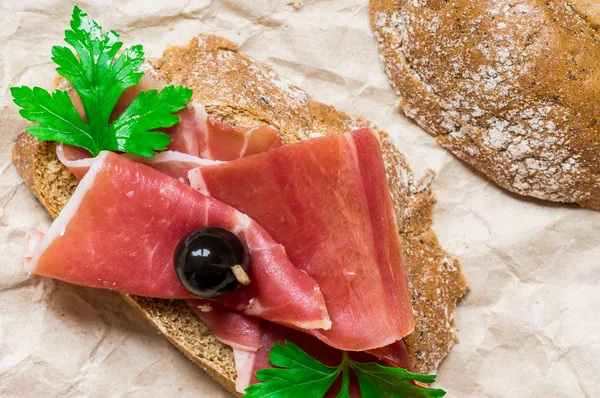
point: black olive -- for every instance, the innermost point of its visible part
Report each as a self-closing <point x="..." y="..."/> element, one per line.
<point x="211" y="261"/>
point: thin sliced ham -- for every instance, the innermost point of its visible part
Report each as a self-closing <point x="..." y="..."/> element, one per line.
<point x="252" y="340"/>
<point x="245" y="362"/>
<point x="174" y="164"/>
<point x="199" y="134"/>
<point x="326" y="200"/>
<point x="394" y="354"/>
<point x="233" y="328"/>
<point x="77" y="160"/>
<point x="241" y="332"/>
<point x="189" y="131"/>
<point x="120" y="229"/>
<point x="224" y="141"/>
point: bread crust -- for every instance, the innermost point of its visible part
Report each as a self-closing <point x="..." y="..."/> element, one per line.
<point x="510" y="87"/>
<point x="242" y="91"/>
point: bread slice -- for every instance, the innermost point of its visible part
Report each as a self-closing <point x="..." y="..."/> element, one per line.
<point x="510" y="87"/>
<point x="239" y="90"/>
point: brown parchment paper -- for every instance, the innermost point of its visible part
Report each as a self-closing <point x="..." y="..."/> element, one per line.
<point x="528" y="328"/>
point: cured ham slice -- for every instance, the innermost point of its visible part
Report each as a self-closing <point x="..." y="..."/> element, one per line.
<point x="394" y="354"/>
<point x="327" y="201"/>
<point x="233" y="328"/>
<point x="241" y="332"/>
<point x="199" y="134"/>
<point x="188" y="132"/>
<point x="77" y="160"/>
<point x="174" y="164"/>
<point x="252" y="339"/>
<point x="120" y="229"/>
<point x="223" y="141"/>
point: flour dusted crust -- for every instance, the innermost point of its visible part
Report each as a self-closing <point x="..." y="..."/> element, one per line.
<point x="589" y="9"/>
<point x="234" y="87"/>
<point x="511" y="87"/>
<point x="242" y="91"/>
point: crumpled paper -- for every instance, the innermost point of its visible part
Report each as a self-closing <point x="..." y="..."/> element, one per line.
<point x="529" y="326"/>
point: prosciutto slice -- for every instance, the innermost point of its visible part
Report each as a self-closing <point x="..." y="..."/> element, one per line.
<point x="176" y="164"/>
<point x="199" y="134"/>
<point x="241" y="332"/>
<point x="120" y="229"/>
<point x="394" y="354"/>
<point x="171" y="163"/>
<point x="77" y="160"/>
<point x="252" y="339"/>
<point x="233" y="328"/>
<point x="327" y="201"/>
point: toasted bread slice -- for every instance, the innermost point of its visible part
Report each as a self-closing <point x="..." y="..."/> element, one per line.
<point x="245" y="92"/>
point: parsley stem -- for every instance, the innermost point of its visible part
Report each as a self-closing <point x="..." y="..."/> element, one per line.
<point x="344" y="369"/>
<point x="345" y="358"/>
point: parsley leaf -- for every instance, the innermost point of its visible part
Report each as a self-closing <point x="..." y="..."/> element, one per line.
<point x="375" y="379"/>
<point x="148" y="110"/>
<point x="57" y="117"/>
<point x="299" y="374"/>
<point x="304" y="376"/>
<point x="100" y="73"/>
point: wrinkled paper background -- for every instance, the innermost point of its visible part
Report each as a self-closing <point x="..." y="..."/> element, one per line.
<point x="529" y="326"/>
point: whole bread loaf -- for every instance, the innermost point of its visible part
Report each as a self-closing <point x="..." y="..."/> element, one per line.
<point x="241" y="91"/>
<point x="511" y="87"/>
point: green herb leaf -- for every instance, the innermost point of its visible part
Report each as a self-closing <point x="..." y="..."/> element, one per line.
<point x="300" y="375"/>
<point x="100" y="75"/>
<point x="304" y="376"/>
<point x="57" y="117"/>
<point x="132" y="129"/>
<point x="375" y="380"/>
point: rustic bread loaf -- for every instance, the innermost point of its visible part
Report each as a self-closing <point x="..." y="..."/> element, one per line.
<point x="511" y="87"/>
<point x="242" y="91"/>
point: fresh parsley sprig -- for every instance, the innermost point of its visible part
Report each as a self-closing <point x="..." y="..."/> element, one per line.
<point x="100" y="74"/>
<point x="300" y="375"/>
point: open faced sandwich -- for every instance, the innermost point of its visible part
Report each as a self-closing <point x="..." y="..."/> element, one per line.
<point x="280" y="244"/>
